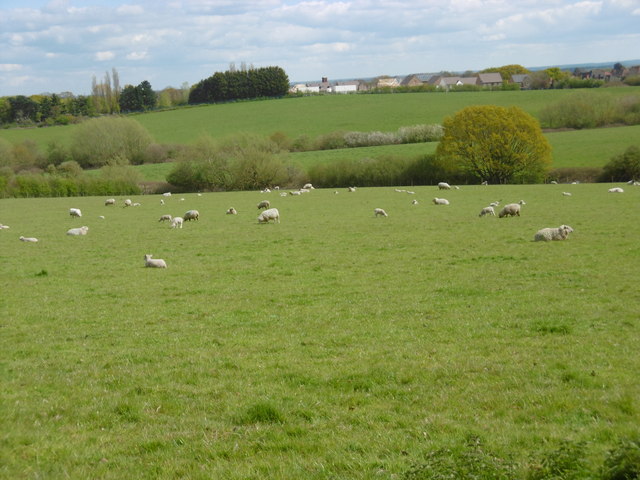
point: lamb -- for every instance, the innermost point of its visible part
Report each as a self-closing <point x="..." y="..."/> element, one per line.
<point x="352" y="189"/>
<point x="495" y="204"/>
<point x="522" y="202"/>
<point x="616" y="190"/>
<point x="127" y="202"/>
<point x="414" y="202"/>
<point x="154" y="262"/>
<point x="137" y="204"/>
<point x="3" y="227"/>
<point x="161" y="202"/>
<point x="510" y="210"/>
<point x="566" y="194"/>
<point x="549" y="234"/>
<point x="75" y="212"/>
<point x="270" y="214"/>
<point x="444" y="186"/>
<point x="487" y="211"/>
<point x="191" y="215"/>
<point x="165" y="217"/>
<point x="29" y="239"/>
<point x="266" y="190"/>
<point x="78" y="231"/>
<point x="109" y="201"/>
<point x="177" y="222"/>
<point x="232" y="211"/>
<point x="379" y="212"/>
<point x="440" y="201"/>
<point x="264" y="204"/>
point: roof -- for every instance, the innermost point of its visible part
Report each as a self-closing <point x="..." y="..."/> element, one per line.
<point x="490" y="78"/>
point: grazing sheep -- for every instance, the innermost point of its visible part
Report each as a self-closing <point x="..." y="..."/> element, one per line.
<point x="191" y="215"/>
<point x="566" y="194"/>
<point x="276" y="187"/>
<point x="75" y="212"/>
<point x="154" y="262"/>
<point x="78" y="231"/>
<point x="414" y="202"/>
<point x="165" y="217"/>
<point x="101" y="217"/>
<point x="3" y="227"/>
<point x="440" y="201"/>
<point x="270" y="214"/>
<point x="308" y="186"/>
<point x="510" y="210"/>
<point x="549" y="234"/>
<point x="351" y="189"/>
<point x="29" y="239"/>
<point x="137" y="204"/>
<point x="161" y="202"/>
<point x="127" y="202"/>
<point x="110" y="201"/>
<point x="485" y="183"/>
<point x="264" y="204"/>
<point x="616" y="190"/>
<point x="379" y="212"/>
<point x="444" y="186"/>
<point x="232" y="211"/>
<point x="487" y="211"/>
<point x="176" y="222"/>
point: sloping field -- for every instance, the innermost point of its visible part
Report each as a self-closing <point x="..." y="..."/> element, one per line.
<point x="331" y="345"/>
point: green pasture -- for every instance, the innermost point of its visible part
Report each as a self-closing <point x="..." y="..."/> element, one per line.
<point x="332" y="345"/>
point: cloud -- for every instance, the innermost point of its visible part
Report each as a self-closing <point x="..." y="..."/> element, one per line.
<point x="10" y="67"/>
<point x="104" y="56"/>
<point x="137" y="55"/>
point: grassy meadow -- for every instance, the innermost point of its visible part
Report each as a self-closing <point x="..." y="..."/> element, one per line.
<point x="331" y="345"/>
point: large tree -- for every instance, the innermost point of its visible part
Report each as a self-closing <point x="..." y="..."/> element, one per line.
<point x="496" y="144"/>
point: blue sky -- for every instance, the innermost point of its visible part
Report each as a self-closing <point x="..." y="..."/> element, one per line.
<point x="59" y="45"/>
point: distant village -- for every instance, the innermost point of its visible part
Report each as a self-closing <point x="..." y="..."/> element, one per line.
<point x="446" y="81"/>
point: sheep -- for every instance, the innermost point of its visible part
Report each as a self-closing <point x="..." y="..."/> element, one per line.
<point x="75" y="212"/>
<point x="161" y="202"/>
<point x="28" y="239"/>
<point x="165" y="217"/>
<point x="440" y="201"/>
<point x="485" y="183"/>
<point x="444" y="186"/>
<point x="270" y="214"/>
<point x="232" y="211"/>
<point x="495" y="204"/>
<point x="109" y="201"/>
<point x="137" y="204"/>
<point x="351" y="189"/>
<point x="414" y="202"/>
<point x="297" y="192"/>
<point x="549" y="234"/>
<point x="3" y="227"/>
<point x="166" y="194"/>
<point x="78" y="231"/>
<point x="510" y="210"/>
<point x="308" y="186"/>
<point x="127" y="202"/>
<point x="191" y="215"/>
<point x="283" y="194"/>
<point x="101" y="217"/>
<point x="566" y="194"/>
<point x="264" y="204"/>
<point x="553" y="182"/>
<point x="487" y="211"/>
<point x="276" y="187"/>
<point x="154" y="262"/>
<point x="176" y="222"/>
<point x="379" y="212"/>
<point x="410" y="192"/>
<point x="522" y="202"/>
<point x="616" y="190"/>
<point x="266" y="190"/>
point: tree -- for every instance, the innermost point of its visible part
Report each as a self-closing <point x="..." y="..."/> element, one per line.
<point x="147" y="95"/>
<point x="623" y="167"/>
<point x="507" y="71"/>
<point x="496" y="144"/>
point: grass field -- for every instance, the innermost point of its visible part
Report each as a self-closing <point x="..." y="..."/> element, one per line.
<point x="331" y="345"/>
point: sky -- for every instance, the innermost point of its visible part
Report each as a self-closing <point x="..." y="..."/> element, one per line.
<point x="61" y="45"/>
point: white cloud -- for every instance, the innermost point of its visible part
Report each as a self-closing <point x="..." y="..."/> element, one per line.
<point x="130" y="10"/>
<point x="104" y="56"/>
<point x="137" y="55"/>
<point x="10" y="67"/>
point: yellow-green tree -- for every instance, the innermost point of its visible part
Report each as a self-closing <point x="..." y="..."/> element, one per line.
<point x="496" y="144"/>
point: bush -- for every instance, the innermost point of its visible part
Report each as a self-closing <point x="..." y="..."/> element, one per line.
<point x="622" y="167"/>
<point x="420" y="133"/>
<point x="575" y="174"/>
<point x="585" y="110"/>
<point x="623" y="461"/>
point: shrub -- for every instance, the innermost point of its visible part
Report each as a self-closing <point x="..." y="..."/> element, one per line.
<point x="575" y="174"/>
<point x="420" y="133"/>
<point x="623" y="461"/>
<point x="330" y="141"/>
<point x="622" y="167"/>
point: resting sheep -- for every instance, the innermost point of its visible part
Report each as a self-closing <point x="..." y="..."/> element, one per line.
<point x="75" y="212"/>
<point x="78" y="231"/>
<point x="3" y="227"/>
<point x="616" y="190"/>
<point x="270" y="214"/>
<point x="177" y="222"/>
<point x="166" y="217"/>
<point x="264" y="204"/>
<point x="232" y="211"/>
<point x="444" y="186"/>
<point x="127" y="202"/>
<point x="308" y="186"/>
<point x="379" y="212"/>
<point x="566" y="194"/>
<point x="440" y="201"/>
<point x="191" y="215"/>
<point x="154" y="262"/>
<point x="29" y="239"/>
<point x="414" y="202"/>
<point x="110" y="201"/>
<point x="510" y="210"/>
<point x="487" y="211"/>
<point x="549" y="234"/>
<point x="351" y="189"/>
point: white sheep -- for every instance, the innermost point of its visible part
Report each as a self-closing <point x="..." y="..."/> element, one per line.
<point x="414" y="202"/>
<point x="127" y="202"/>
<point x="161" y="202"/>
<point x="109" y="201"/>
<point x="485" y="183"/>
<point x="487" y="211"/>
<point x="379" y="212"/>
<point x="166" y="217"/>
<point x="308" y="186"/>
<point x="137" y="204"/>
<point x="270" y="214"/>
<point x="495" y="204"/>
<point x="276" y="187"/>
<point x="4" y="227"/>
<point x="444" y="186"/>
<point x="191" y="215"/>
<point x="176" y="222"/>
<point x="75" y="212"/>
<point x="232" y="211"/>
<point x="440" y="201"/>
<point x="166" y="194"/>
<point x="352" y="189"/>
<point x="154" y="262"/>
<point x="29" y="239"/>
<point x="266" y="190"/>
<point x="549" y="234"/>
<point x="264" y="204"/>
<point x="410" y="192"/>
<point x="510" y="210"/>
<point x="566" y="194"/>
<point x="78" y="231"/>
<point x="553" y="182"/>
<point x="283" y="194"/>
<point x="616" y="190"/>
<point x="297" y="192"/>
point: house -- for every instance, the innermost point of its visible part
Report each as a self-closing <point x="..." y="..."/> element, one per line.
<point x="305" y="88"/>
<point x="345" y="87"/>
<point x="411" y="81"/>
<point x="490" y="79"/>
<point x="448" y="82"/>
<point x="522" y="79"/>
<point x="391" y="82"/>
